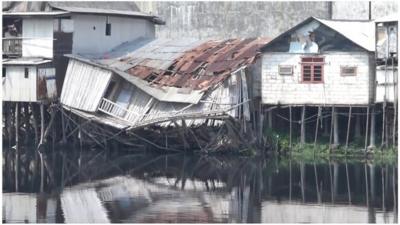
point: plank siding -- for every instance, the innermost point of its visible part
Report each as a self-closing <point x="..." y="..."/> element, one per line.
<point x="16" y="87"/>
<point x="84" y="86"/>
<point x="37" y="37"/>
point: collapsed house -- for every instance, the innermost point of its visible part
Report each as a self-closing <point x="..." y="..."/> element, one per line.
<point x="167" y="84"/>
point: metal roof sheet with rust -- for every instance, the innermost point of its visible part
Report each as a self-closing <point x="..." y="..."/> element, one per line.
<point x="184" y="63"/>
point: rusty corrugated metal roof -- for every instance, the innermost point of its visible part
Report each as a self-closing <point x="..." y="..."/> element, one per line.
<point x="187" y="63"/>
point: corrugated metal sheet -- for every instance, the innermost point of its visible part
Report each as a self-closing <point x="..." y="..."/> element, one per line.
<point x="84" y="86"/>
<point x="184" y="63"/>
<point x="120" y="8"/>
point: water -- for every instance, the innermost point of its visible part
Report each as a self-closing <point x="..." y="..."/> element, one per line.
<point x="97" y="186"/>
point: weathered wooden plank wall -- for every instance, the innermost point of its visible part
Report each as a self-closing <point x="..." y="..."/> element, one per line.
<point x="17" y="87"/>
<point x="84" y="86"/>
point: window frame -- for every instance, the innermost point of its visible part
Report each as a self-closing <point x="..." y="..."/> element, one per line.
<point x="315" y="61"/>
<point x="26" y="72"/>
<point x="285" y="74"/>
<point x="347" y="74"/>
<point x="108" y="27"/>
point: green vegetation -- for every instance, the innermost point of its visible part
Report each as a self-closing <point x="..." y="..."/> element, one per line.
<point x="279" y="142"/>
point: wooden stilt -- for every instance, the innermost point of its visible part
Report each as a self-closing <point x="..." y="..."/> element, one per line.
<point x="303" y="127"/>
<point x="335" y="128"/>
<point x="316" y="128"/>
<point x="395" y="90"/>
<point x="348" y="129"/>
<point x="17" y="114"/>
<point x="8" y="130"/>
<point x="35" y="120"/>
<point x="331" y="133"/>
<point x="366" y="131"/>
<point x="42" y="122"/>
<point x="357" y="129"/>
<point x="64" y="137"/>
<point x="383" y="143"/>
<point x="394" y="123"/>
<point x="372" y="132"/>
<point x="326" y="126"/>
<point x="260" y="124"/>
<point x="270" y="118"/>
<point x="26" y="123"/>
<point x="290" y="128"/>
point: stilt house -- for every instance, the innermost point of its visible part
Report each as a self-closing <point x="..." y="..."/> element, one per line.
<point x="36" y="35"/>
<point x="165" y="83"/>
<point x="322" y="63"/>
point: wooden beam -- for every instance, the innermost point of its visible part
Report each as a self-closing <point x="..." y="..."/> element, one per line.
<point x="303" y="126"/>
<point x="348" y="129"/>
<point x="366" y="131"/>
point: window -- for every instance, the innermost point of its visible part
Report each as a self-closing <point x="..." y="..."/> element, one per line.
<point x="312" y="69"/>
<point x="4" y="72"/>
<point x="108" y="27"/>
<point x="26" y="72"/>
<point x="285" y="70"/>
<point x="348" y="70"/>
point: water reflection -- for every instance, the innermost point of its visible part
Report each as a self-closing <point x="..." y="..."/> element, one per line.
<point x="98" y="186"/>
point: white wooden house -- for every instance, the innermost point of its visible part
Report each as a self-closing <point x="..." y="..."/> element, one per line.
<point x="322" y="63"/>
<point x="48" y="30"/>
<point x="28" y="80"/>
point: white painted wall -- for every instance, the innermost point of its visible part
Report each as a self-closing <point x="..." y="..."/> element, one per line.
<point x="16" y="87"/>
<point x="38" y="37"/>
<point x="86" y="39"/>
<point x="384" y="86"/>
<point x="336" y="89"/>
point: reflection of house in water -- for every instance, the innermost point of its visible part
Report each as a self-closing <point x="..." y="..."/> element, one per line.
<point x="28" y="208"/>
<point x="296" y="212"/>
<point x="177" y="188"/>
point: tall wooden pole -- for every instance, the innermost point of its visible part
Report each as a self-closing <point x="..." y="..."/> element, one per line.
<point x="316" y="128"/>
<point x="303" y="127"/>
<point x="348" y="129"/>
<point x="42" y="128"/>
<point x="331" y="133"/>
<point x="17" y="146"/>
<point x="383" y="143"/>
<point x="290" y="127"/>
<point x="394" y="104"/>
<point x="366" y="131"/>
<point x="372" y="132"/>
<point x="335" y="128"/>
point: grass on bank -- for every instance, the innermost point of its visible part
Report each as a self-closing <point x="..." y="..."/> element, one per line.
<point x="280" y="143"/>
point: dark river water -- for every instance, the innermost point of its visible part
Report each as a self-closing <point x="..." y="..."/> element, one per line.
<point x="92" y="186"/>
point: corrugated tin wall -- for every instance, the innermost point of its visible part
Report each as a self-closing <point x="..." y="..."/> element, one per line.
<point x="84" y="86"/>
